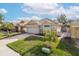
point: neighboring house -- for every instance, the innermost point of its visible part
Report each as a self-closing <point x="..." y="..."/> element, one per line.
<point x="21" y="26"/>
<point x="74" y="27"/>
<point x="38" y="26"/>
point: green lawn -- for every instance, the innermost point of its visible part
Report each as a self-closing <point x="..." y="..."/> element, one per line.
<point x="69" y="46"/>
<point x="4" y="35"/>
<point x="31" y="46"/>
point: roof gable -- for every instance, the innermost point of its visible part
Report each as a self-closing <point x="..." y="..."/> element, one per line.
<point x="32" y="22"/>
<point x="47" y="21"/>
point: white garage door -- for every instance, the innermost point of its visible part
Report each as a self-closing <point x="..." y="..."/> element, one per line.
<point x="33" y="30"/>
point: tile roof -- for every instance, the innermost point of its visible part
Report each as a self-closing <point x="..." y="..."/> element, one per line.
<point x="39" y="22"/>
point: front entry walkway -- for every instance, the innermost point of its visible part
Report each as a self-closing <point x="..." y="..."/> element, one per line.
<point x="6" y="51"/>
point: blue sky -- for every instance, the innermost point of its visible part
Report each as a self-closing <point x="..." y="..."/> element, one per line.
<point x="16" y="11"/>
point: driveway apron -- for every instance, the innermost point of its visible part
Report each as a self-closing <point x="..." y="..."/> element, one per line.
<point x="6" y="51"/>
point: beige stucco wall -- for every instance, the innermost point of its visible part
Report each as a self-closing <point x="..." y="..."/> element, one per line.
<point x="33" y="25"/>
<point x="49" y="22"/>
<point x="75" y="32"/>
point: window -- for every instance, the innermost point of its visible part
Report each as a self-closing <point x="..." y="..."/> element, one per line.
<point x="46" y="25"/>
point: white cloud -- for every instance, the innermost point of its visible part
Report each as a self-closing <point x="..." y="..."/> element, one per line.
<point x="30" y="18"/>
<point x="73" y="12"/>
<point x="40" y="8"/>
<point x="35" y="17"/>
<point x="24" y="18"/>
<point x="74" y="8"/>
<point x="51" y="9"/>
<point x="3" y="11"/>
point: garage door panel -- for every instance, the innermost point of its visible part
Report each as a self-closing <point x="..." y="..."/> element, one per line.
<point x="33" y="30"/>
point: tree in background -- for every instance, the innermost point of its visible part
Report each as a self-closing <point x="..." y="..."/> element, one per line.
<point x="1" y="18"/>
<point x="8" y="27"/>
<point x="64" y="21"/>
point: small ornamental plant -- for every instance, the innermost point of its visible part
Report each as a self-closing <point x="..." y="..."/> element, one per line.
<point x="50" y="36"/>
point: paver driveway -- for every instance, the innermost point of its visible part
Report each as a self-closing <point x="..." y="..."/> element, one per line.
<point x="4" y="50"/>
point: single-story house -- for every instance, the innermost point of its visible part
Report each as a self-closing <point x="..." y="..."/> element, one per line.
<point x="38" y="26"/>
